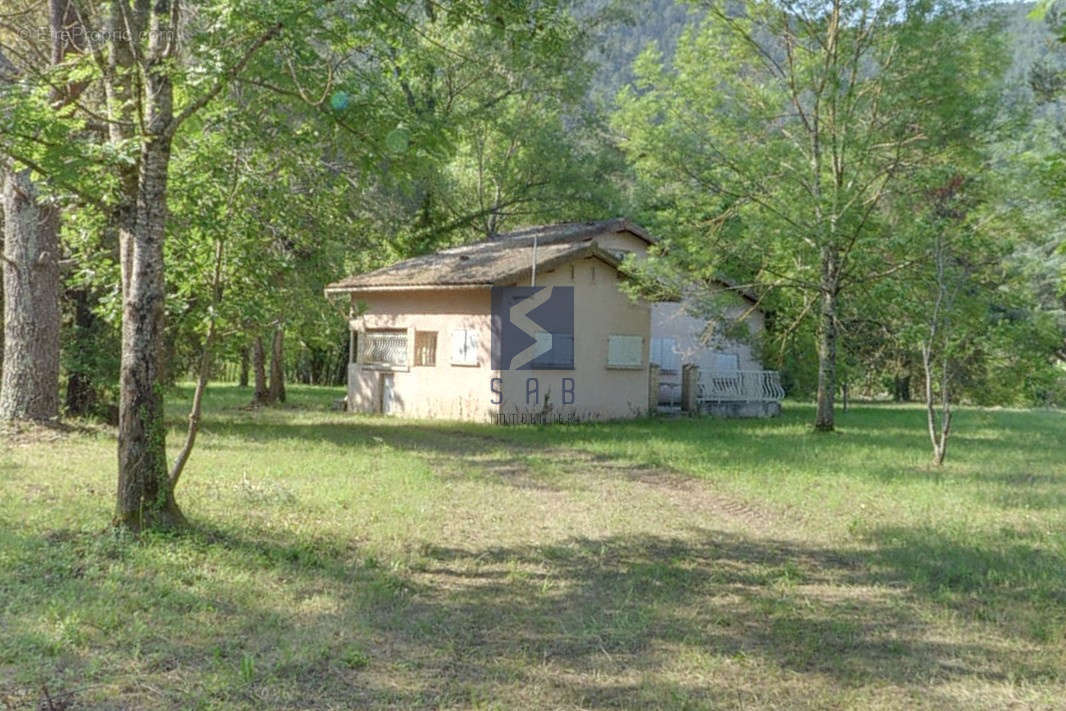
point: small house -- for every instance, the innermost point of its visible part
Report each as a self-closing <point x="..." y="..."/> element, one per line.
<point x="533" y="326"/>
<point x="423" y="330"/>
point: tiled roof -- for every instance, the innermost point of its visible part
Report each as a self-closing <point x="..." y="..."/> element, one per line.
<point x="500" y="260"/>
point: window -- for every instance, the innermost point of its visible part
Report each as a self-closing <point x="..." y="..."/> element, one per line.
<point x="464" y="347"/>
<point x="625" y="351"/>
<point x="426" y="348"/>
<point x="729" y="362"/>
<point x="557" y="351"/>
<point x="664" y="354"/>
<point x="385" y="347"/>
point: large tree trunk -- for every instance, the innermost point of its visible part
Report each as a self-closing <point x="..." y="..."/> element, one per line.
<point x="145" y="495"/>
<point x="827" y="344"/>
<point x="262" y="395"/>
<point x="145" y="490"/>
<point x="30" y="385"/>
<point x="277" y="366"/>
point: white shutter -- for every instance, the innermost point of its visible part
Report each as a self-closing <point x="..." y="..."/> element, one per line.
<point x="625" y="351"/>
<point x="471" y="347"/>
<point x="656" y="354"/>
<point x="464" y="347"/>
<point x="458" y="343"/>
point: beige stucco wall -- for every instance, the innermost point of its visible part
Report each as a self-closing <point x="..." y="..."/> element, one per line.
<point x="447" y="391"/>
<point x="674" y="320"/>
<point x="600" y="311"/>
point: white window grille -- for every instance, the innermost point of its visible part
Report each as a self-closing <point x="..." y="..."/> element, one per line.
<point x="386" y="348"/>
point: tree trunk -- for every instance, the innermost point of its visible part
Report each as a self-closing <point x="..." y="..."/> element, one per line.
<point x="340" y="372"/>
<point x="145" y="495"/>
<point x="262" y="395"/>
<point x="203" y="374"/>
<point x="168" y="363"/>
<point x="939" y="331"/>
<point x="277" y="366"/>
<point x="901" y="391"/>
<point x="30" y="384"/>
<point x="824" y="416"/>
<point x="242" y="375"/>
<point x="145" y="491"/>
<point x="827" y="344"/>
<point x="938" y="431"/>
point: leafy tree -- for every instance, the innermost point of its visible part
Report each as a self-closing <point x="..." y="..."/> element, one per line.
<point x="1037" y="161"/>
<point x="152" y="68"/>
<point x="779" y="132"/>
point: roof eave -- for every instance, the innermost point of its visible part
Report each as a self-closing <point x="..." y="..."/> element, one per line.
<point x="585" y="249"/>
<point x="740" y="291"/>
<point x="629" y="226"/>
<point x="348" y="289"/>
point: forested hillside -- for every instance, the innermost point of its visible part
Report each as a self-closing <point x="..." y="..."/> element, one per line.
<point x="629" y="26"/>
<point x="627" y="30"/>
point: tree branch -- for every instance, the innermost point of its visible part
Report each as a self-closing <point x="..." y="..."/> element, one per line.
<point x="229" y="75"/>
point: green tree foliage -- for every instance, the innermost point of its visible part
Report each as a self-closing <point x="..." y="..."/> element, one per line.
<point x="1034" y="161"/>
<point x="780" y="133"/>
<point x="251" y="126"/>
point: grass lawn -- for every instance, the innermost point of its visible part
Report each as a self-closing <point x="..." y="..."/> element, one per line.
<point x="352" y="562"/>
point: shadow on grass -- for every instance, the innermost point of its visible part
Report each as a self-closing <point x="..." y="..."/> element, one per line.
<point x="576" y="620"/>
<point x="1001" y="578"/>
<point x="888" y="435"/>
<point x="246" y="615"/>
<point x="881" y="444"/>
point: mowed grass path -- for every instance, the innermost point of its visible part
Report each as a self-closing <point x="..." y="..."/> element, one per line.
<point x="342" y="562"/>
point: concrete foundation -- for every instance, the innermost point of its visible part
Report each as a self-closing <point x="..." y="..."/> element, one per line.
<point x="741" y="409"/>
